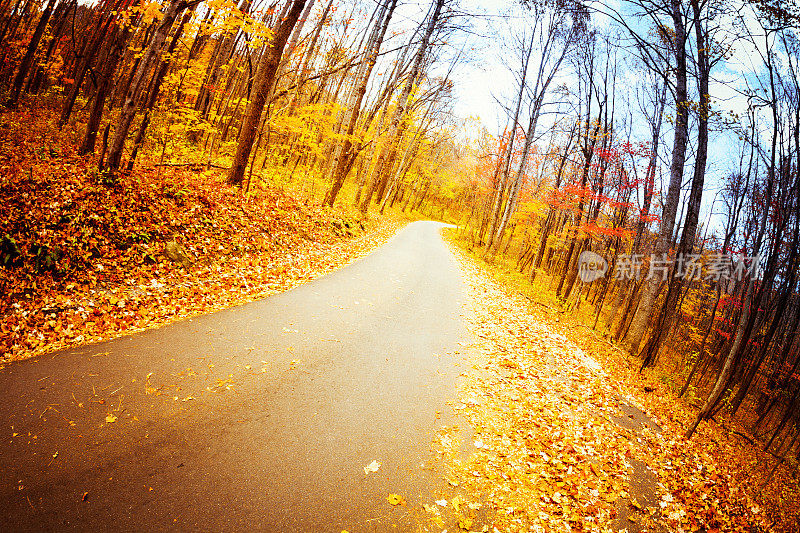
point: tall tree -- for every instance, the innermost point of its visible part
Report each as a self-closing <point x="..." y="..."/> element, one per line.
<point x="680" y="140"/>
<point x="348" y="152"/>
<point x="138" y="84"/>
<point x="27" y="60"/>
<point x="666" y="317"/>
<point x="389" y="153"/>
<point x="557" y="30"/>
<point x="262" y="85"/>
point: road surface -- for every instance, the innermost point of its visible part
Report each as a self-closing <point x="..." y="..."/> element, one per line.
<point x="257" y="418"/>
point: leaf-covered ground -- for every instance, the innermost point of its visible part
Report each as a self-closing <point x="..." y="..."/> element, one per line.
<point x="82" y="260"/>
<point x="553" y="446"/>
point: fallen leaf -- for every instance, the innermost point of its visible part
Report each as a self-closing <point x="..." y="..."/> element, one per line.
<point x="456" y="502"/>
<point x="372" y="467"/>
<point x="430" y="508"/>
<point x="396" y="499"/>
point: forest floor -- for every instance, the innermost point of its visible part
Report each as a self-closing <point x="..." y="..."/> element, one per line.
<point x="569" y="436"/>
<point x="83" y="260"/>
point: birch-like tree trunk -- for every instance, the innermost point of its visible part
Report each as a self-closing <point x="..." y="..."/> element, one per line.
<point x="637" y="328"/>
<point x="347" y="152"/>
<point x="388" y="154"/>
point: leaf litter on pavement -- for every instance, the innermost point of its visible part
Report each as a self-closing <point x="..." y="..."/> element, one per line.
<point x="372" y="467"/>
<point x="547" y="454"/>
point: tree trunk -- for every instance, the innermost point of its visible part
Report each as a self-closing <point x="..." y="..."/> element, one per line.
<point x="727" y="368"/>
<point x="155" y="88"/>
<point x="147" y="62"/>
<point x="347" y="153"/>
<point x="30" y="54"/>
<point x="119" y="39"/>
<point x="389" y="153"/>
<point x="82" y="66"/>
<point x="667" y="315"/>
<point x="681" y="136"/>
<point x="262" y="84"/>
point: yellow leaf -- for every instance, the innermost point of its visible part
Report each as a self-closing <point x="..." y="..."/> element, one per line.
<point x="465" y="523"/>
<point x="395" y="499"/>
<point x="111" y="418"/>
<point x="150" y="12"/>
<point x="456" y="503"/>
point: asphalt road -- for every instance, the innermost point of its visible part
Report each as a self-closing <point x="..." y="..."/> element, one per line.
<point x="256" y="418"/>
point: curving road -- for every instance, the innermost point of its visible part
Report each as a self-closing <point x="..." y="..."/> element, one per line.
<point x="259" y="417"/>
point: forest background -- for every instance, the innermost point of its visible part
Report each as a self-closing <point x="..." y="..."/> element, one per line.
<point x="142" y="141"/>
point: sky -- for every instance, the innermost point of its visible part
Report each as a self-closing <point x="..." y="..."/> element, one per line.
<point x="487" y="77"/>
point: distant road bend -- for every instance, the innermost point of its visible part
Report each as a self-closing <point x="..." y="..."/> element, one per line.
<point x="256" y="418"/>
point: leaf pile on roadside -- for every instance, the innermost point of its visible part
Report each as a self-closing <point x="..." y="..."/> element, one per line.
<point x="548" y="456"/>
<point x="82" y="260"/>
